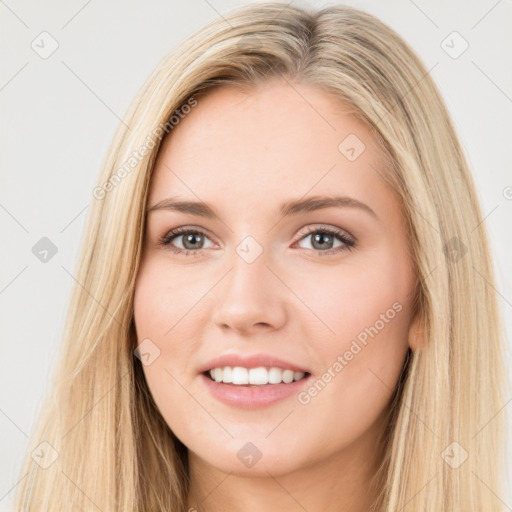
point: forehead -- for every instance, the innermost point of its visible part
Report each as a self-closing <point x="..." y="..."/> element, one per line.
<point x="277" y="140"/>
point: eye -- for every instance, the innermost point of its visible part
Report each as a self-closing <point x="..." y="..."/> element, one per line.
<point x="192" y="241"/>
<point x="323" y="240"/>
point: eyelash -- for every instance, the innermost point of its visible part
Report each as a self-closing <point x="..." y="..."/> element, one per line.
<point x="349" y="242"/>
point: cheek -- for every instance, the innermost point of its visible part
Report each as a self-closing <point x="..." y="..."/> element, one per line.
<point x="164" y="299"/>
<point x="365" y="312"/>
<point x="165" y="312"/>
<point x="350" y="299"/>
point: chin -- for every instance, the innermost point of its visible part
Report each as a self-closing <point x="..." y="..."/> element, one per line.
<point x="254" y="458"/>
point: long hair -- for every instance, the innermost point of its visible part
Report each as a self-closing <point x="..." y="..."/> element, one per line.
<point x="104" y="442"/>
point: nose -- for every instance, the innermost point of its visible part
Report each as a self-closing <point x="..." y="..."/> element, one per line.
<point x="250" y="298"/>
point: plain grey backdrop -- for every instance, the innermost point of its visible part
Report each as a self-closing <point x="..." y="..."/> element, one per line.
<point x="69" y="71"/>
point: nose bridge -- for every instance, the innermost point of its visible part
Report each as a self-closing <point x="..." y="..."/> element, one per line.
<point x="248" y="276"/>
<point x="250" y="294"/>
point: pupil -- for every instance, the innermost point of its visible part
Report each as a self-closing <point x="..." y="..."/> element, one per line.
<point x="190" y="239"/>
<point x="321" y="239"/>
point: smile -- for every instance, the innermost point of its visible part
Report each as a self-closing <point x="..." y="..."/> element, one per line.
<point x="259" y="376"/>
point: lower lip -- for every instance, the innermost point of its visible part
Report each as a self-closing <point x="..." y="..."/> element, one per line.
<point x="252" y="397"/>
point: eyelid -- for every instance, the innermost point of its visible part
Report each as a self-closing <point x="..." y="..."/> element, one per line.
<point x="301" y="233"/>
<point x="312" y="228"/>
<point x="182" y="230"/>
<point x="344" y="236"/>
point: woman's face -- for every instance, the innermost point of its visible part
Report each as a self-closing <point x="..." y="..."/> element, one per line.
<point x="258" y="282"/>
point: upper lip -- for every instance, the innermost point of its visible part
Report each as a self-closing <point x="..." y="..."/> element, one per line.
<point x="250" y="361"/>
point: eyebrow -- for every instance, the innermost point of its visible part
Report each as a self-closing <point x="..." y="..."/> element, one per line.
<point x="289" y="208"/>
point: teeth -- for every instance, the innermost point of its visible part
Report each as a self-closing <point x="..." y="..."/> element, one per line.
<point x="227" y="375"/>
<point x="255" y="376"/>
<point x="258" y="376"/>
<point x="240" y="375"/>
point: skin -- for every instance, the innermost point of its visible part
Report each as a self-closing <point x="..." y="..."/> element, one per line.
<point x="246" y="152"/>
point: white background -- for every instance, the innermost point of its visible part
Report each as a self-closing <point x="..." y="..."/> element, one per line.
<point x="59" y="115"/>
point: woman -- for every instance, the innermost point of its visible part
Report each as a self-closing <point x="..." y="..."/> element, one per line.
<point x="332" y="341"/>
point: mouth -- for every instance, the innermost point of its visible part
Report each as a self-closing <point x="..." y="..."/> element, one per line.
<point x="252" y="381"/>
<point x="254" y="377"/>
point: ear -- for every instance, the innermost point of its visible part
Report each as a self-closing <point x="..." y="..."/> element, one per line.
<point x="416" y="336"/>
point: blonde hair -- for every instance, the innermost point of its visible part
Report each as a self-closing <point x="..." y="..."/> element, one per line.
<point x="114" y="448"/>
